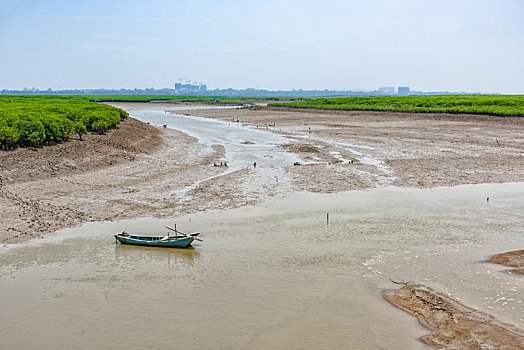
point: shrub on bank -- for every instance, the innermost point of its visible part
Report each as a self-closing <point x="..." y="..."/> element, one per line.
<point x="34" y="121"/>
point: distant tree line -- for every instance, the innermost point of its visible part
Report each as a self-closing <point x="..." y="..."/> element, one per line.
<point x="28" y="121"/>
<point x="180" y="98"/>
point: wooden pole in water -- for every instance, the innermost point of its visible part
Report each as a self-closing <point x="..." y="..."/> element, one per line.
<point x="327" y="219"/>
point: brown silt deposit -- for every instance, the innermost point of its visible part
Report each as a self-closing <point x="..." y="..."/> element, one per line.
<point x="453" y="325"/>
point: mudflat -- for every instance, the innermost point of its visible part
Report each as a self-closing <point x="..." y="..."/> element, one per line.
<point x="511" y="259"/>
<point x="136" y="169"/>
<point x="420" y="150"/>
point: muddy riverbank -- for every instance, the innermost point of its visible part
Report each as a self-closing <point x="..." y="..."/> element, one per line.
<point x="132" y="171"/>
<point x="453" y="325"/>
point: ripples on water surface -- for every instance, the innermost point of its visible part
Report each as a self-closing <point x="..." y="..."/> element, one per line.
<point x="271" y="276"/>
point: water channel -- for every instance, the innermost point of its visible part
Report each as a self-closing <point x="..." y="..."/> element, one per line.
<point x="261" y="146"/>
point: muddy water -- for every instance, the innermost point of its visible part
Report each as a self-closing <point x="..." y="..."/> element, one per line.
<point x="267" y="277"/>
<point x="244" y="145"/>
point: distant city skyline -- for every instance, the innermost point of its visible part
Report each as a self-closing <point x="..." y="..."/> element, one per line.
<point x="187" y="88"/>
<point x="442" y="45"/>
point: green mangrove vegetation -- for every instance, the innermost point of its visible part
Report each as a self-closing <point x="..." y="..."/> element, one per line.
<point x="500" y="105"/>
<point x="38" y="120"/>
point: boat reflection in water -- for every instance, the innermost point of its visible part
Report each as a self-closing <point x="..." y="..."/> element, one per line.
<point x="135" y="253"/>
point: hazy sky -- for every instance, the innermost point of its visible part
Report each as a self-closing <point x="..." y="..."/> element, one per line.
<point x="430" y="45"/>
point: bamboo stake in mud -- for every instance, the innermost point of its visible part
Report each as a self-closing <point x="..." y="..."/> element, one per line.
<point x="327" y="219"/>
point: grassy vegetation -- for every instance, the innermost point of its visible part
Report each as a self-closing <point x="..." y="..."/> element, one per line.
<point x="501" y="105"/>
<point x="38" y="120"/>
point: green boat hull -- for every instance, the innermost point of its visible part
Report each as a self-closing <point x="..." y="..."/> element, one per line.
<point x="171" y="242"/>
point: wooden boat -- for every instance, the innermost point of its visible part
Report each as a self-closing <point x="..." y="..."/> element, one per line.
<point x="180" y="240"/>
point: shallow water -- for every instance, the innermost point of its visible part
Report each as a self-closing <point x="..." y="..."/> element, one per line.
<point x="263" y="148"/>
<point x="271" y="276"/>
